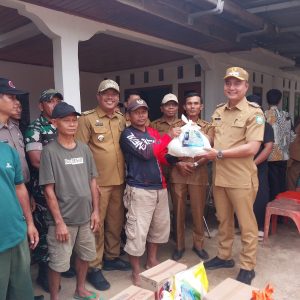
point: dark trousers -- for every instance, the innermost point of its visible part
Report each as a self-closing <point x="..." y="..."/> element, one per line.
<point x="262" y="196"/>
<point x="277" y="177"/>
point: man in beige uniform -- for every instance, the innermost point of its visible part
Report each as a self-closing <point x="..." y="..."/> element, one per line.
<point x="190" y="176"/>
<point x="101" y="128"/>
<point x="169" y="109"/>
<point x="238" y="132"/>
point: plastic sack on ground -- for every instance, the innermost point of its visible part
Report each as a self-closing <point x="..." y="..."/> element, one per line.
<point x="190" y="143"/>
<point x="191" y="284"/>
<point x="266" y="294"/>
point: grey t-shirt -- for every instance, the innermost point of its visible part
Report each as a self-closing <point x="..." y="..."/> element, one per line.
<point x="71" y="171"/>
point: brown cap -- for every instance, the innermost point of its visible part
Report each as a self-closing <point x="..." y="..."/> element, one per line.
<point x="108" y="84"/>
<point x="135" y="104"/>
<point x="169" y="97"/>
<point x="237" y="72"/>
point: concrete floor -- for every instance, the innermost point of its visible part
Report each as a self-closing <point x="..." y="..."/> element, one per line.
<point x="278" y="263"/>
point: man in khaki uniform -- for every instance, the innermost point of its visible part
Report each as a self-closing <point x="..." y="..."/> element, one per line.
<point x="169" y="108"/>
<point x="190" y="176"/>
<point x="101" y="128"/>
<point x="238" y="132"/>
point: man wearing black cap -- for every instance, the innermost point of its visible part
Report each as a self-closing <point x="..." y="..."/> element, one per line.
<point x="15" y="215"/>
<point x="39" y="133"/>
<point x="68" y="176"/>
<point x="146" y="197"/>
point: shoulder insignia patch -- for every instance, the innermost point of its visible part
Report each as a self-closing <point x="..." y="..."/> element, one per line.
<point x="253" y="104"/>
<point x="120" y="113"/>
<point x="259" y="120"/>
<point x="88" y="112"/>
<point x="221" y="104"/>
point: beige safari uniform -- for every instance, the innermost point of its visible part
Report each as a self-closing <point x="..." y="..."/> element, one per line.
<point x="163" y="126"/>
<point x="293" y="166"/>
<point x="194" y="185"/>
<point x="102" y="133"/>
<point x="12" y="135"/>
<point x="235" y="179"/>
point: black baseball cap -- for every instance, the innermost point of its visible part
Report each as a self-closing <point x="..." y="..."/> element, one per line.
<point x="137" y="104"/>
<point x="7" y="87"/>
<point x="62" y="110"/>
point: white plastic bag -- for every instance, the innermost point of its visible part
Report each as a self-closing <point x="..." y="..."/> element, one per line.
<point x="190" y="143"/>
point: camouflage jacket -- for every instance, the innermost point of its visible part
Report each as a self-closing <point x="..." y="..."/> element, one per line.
<point x="39" y="133"/>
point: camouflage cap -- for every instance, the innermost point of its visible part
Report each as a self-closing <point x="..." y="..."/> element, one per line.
<point x="237" y="72"/>
<point x="47" y="95"/>
<point x="108" y="84"/>
<point x="169" y="97"/>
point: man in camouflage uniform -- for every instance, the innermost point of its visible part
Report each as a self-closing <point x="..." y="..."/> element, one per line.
<point x="39" y="133"/>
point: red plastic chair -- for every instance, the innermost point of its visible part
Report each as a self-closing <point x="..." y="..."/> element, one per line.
<point x="289" y="195"/>
<point x="281" y="207"/>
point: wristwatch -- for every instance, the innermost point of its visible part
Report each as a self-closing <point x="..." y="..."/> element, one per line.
<point x="195" y="165"/>
<point x="220" y="154"/>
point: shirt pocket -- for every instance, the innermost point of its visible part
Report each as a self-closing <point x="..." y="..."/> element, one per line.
<point x="21" y="142"/>
<point x="238" y="129"/>
<point x="100" y="134"/>
<point x="217" y="124"/>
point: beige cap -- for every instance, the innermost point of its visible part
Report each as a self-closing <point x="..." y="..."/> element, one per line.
<point x="169" y="97"/>
<point x="237" y="72"/>
<point x="108" y="84"/>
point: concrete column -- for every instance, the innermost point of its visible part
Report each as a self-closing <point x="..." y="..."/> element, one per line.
<point x="65" y="31"/>
<point x="66" y="69"/>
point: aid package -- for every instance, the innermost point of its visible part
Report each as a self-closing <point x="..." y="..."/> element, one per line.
<point x="190" y="143"/>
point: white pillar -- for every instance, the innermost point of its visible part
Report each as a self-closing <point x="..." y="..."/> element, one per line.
<point x="65" y="31"/>
<point x="66" y="69"/>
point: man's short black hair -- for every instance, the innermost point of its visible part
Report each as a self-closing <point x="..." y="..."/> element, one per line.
<point x="130" y="93"/>
<point x="254" y="98"/>
<point x="274" y="96"/>
<point x="190" y="94"/>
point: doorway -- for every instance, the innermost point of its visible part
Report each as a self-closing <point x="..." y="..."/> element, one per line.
<point x="153" y="97"/>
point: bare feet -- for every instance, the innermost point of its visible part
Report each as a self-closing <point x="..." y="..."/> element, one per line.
<point x="81" y="293"/>
<point x="150" y="264"/>
<point x="136" y="279"/>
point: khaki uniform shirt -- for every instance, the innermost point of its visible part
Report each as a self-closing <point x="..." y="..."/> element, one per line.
<point x="12" y="135"/>
<point x="233" y="127"/>
<point x="294" y="150"/>
<point x="163" y="126"/>
<point x="200" y="174"/>
<point x="102" y="134"/>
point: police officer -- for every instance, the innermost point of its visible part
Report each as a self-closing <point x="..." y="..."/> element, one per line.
<point x="9" y="130"/>
<point x="39" y="133"/>
<point x="101" y="128"/>
<point x="238" y="132"/>
<point x="190" y="176"/>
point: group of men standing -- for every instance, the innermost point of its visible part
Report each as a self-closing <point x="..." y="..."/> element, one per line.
<point x="235" y="133"/>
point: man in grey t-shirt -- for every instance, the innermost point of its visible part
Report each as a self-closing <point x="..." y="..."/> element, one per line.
<point x="68" y="172"/>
